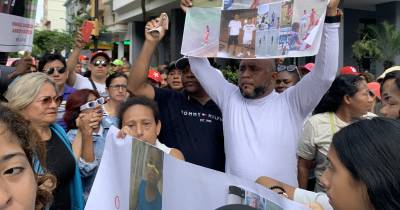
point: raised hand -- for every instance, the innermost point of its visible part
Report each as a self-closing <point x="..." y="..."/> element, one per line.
<point x="79" y="42"/>
<point x="186" y="4"/>
<point x="332" y="9"/>
<point x="156" y="28"/>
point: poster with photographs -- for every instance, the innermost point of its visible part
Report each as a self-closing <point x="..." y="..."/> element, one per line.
<point x="146" y="177"/>
<point x="255" y="29"/>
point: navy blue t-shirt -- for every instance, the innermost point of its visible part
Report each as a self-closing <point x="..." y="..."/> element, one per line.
<point x="194" y="129"/>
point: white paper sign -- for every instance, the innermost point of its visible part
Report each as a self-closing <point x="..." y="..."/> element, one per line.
<point x="254" y="29"/>
<point x="183" y="185"/>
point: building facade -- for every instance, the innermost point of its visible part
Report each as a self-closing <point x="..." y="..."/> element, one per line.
<point x="54" y="14"/>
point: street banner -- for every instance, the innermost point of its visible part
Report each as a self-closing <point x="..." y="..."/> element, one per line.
<point x="254" y="28"/>
<point x="17" y="18"/>
<point x="135" y="175"/>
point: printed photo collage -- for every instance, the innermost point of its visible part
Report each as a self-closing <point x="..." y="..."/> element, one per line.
<point x="264" y="28"/>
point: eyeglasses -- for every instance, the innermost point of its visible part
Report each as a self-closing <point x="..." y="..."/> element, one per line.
<point x="100" y="63"/>
<point x="119" y="87"/>
<point x="288" y="68"/>
<point x="50" y="71"/>
<point x="154" y="168"/>
<point x="46" y="101"/>
<point x="93" y="104"/>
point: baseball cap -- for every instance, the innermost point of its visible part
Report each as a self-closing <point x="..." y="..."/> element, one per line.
<point x="181" y="63"/>
<point x="100" y="53"/>
<point x="391" y="69"/>
<point x="154" y="75"/>
<point x="375" y="87"/>
<point x="118" y="62"/>
<point x="349" y="70"/>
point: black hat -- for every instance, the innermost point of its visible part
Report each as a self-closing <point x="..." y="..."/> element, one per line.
<point x="181" y="63"/>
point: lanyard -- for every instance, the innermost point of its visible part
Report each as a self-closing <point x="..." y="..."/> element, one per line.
<point x="332" y="122"/>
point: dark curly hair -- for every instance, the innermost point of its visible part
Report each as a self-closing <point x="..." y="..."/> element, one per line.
<point x="138" y="101"/>
<point x="34" y="149"/>
<point x="342" y="86"/>
<point x="74" y="103"/>
<point x="49" y="58"/>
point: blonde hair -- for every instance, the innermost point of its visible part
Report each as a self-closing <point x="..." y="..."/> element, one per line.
<point x="25" y="89"/>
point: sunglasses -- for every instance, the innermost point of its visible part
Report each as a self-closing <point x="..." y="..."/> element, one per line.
<point x="289" y="68"/>
<point x="93" y="104"/>
<point x="48" y="100"/>
<point x="100" y="63"/>
<point x="51" y="71"/>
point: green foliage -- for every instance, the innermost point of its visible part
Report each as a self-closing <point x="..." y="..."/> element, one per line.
<point x="50" y="41"/>
<point x="366" y="48"/>
<point x="230" y="74"/>
<point x="387" y="41"/>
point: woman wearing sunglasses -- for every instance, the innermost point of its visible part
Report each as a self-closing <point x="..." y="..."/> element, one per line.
<point x="347" y="100"/>
<point x="54" y="65"/>
<point x="286" y="77"/>
<point x="116" y="85"/>
<point x="34" y="96"/>
<point x="20" y="186"/>
<point x="87" y="134"/>
<point x="363" y="171"/>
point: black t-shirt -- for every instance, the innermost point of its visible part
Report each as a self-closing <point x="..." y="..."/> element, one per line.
<point x="194" y="129"/>
<point x="61" y="164"/>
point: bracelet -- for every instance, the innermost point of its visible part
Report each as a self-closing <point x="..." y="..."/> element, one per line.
<point x="333" y="19"/>
<point x="282" y="191"/>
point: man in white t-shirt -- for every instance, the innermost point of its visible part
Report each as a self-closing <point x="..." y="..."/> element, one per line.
<point x="234" y="30"/>
<point x="248" y="30"/>
<point x="98" y="67"/>
<point x="262" y="127"/>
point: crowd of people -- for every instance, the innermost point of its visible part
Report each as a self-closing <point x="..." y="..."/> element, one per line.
<point x="322" y="137"/>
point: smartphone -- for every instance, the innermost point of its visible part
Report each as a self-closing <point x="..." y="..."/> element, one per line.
<point x="86" y="30"/>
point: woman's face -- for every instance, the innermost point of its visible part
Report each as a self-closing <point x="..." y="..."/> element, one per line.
<point x="17" y="181"/>
<point x="390" y="100"/>
<point x="118" y="89"/>
<point x="141" y="123"/>
<point x="343" y="190"/>
<point x="43" y="109"/>
<point x="97" y="109"/>
<point x="56" y="70"/>
<point x="361" y="103"/>
<point x="284" y="81"/>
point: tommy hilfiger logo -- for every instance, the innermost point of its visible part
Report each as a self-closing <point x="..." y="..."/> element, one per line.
<point x="204" y="116"/>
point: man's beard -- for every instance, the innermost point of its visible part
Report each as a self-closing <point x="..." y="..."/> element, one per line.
<point x="257" y="92"/>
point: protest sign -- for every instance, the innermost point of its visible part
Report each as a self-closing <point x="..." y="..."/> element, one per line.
<point x="254" y="29"/>
<point x="129" y="166"/>
<point x="17" y="18"/>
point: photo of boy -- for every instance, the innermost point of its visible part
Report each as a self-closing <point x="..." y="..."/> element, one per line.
<point x="248" y="34"/>
<point x="234" y="29"/>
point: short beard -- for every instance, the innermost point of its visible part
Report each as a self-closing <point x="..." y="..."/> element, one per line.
<point x="258" y="91"/>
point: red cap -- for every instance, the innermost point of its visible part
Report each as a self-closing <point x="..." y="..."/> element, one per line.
<point x="154" y="75"/>
<point x="309" y="66"/>
<point x="349" y="70"/>
<point x="100" y="53"/>
<point x="375" y="87"/>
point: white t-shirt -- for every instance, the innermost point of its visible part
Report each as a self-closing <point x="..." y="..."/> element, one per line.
<point x="261" y="135"/>
<point x="84" y="83"/>
<point x="234" y="27"/>
<point x="248" y="32"/>
<point x="162" y="147"/>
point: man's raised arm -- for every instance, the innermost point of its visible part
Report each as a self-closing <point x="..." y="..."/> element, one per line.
<point x="73" y="59"/>
<point x="137" y="82"/>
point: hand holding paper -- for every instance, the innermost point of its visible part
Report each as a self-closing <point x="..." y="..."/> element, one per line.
<point x="155" y="29"/>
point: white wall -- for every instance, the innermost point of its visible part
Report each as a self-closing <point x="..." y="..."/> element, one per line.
<point x="56" y="14"/>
